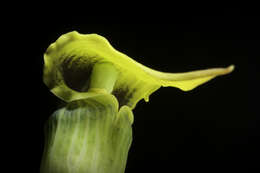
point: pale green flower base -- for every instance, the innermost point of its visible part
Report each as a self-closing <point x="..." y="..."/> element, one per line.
<point x="88" y="136"/>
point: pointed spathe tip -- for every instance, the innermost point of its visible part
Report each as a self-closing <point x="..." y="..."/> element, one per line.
<point x="231" y="68"/>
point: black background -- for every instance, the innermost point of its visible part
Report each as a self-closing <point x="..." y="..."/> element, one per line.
<point x="213" y="127"/>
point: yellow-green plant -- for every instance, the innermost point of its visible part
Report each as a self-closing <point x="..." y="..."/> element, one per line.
<point x="93" y="133"/>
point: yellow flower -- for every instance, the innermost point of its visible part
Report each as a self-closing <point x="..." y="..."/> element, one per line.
<point x="69" y="63"/>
